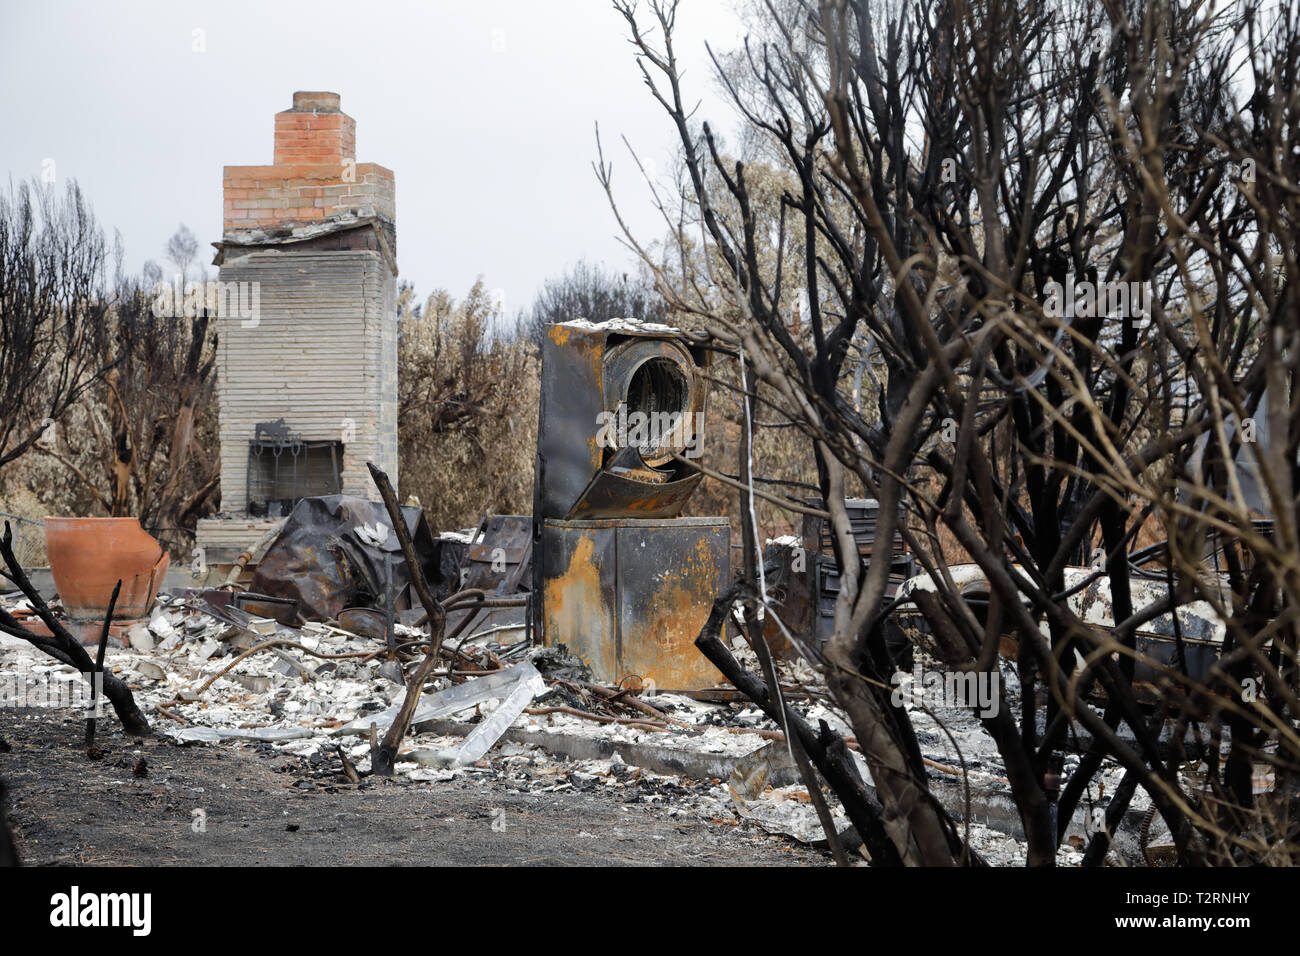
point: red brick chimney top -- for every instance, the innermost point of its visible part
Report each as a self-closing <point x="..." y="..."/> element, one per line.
<point x="314" y="132"/>
<point x="305" y="101"/>
<point x="314" y="178"/>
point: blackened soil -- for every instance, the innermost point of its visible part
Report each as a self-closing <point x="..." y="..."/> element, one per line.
<point x="135" y="805"/>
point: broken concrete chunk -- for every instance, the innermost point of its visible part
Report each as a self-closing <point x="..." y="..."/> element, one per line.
<point x="793" y="818"/>
<point x="749" y="776"/>
<point x="160" y="626"/>
<point x="424" y="758"/>
<point x="140" y="638"/>
<point x="239" y="639"/>
<point x="756" y="769"/>
<point x="287" y="665"/>
<point x="150" y="671"/>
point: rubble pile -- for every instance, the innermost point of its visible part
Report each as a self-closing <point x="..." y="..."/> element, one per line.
<point x="309" y="703"/>
<point x="316" y="697"/>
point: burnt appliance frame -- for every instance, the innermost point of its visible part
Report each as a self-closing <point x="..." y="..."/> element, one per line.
<point x="630" y="595"/>
<point x="589" y="371"/>
<point x="618" y="576"/>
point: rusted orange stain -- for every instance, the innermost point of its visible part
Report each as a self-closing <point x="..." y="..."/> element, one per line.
<point x="577" y="614"/>
<point x="661" y="646"/>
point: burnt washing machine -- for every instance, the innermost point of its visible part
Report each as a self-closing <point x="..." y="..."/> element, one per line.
<point x="619" y="577"/>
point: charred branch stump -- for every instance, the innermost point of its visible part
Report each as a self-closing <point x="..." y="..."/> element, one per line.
<point x="826" y="749"/>
<point x="386" y="753"/>
<point x="99" y="670"/>
<point x="8" y="851"/>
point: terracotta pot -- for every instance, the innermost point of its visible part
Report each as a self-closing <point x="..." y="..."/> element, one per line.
<point x="89" y="555"/>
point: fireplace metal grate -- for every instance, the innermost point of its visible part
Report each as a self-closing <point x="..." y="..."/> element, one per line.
<point x="283" y="469"/>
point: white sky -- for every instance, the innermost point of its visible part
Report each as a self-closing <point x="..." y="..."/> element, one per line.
<point x="483" y="109"/>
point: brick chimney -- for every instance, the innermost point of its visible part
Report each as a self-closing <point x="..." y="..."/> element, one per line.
<point x="315" y="176"/>
<point x="314" y="132"/>
<point x="306" y="380"/>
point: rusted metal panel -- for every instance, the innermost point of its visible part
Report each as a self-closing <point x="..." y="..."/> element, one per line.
<point x="668" y="576"/>
<point x="568" y="455"/>
<point x="501" y="544"/>
<point x="578" y="593"/>
<point x="629" y="595"/>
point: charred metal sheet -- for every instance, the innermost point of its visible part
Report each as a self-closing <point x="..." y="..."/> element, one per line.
<point x="613" y="496"/>
<point x="1197" y="659"/>
<point x="823" y="574"/>
<point x="498" y="558"/>
<point x="331" y="554"/>
<point x="789" y="594"/>
<point x="366" y="621"/>
<point x="446" y="702"/>
<point x="1197" y="620"/>
<point x="1201" y="629"/>
<point x="629" y="596"/>
<point x="282" y="610"/>
<point x="528" y="683"/>
<point x="452" y="553"/>
<point x="863" y="515"/>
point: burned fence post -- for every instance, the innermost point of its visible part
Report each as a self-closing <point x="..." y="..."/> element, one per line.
<point x="98" y="676"/>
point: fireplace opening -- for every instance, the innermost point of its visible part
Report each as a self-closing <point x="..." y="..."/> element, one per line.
<point x="283" y="469"/>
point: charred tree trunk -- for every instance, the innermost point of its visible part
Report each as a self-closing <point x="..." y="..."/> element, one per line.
<point x="8" y="852"/>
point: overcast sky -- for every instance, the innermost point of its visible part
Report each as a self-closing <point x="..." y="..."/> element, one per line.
<point x="484" y="109"/>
